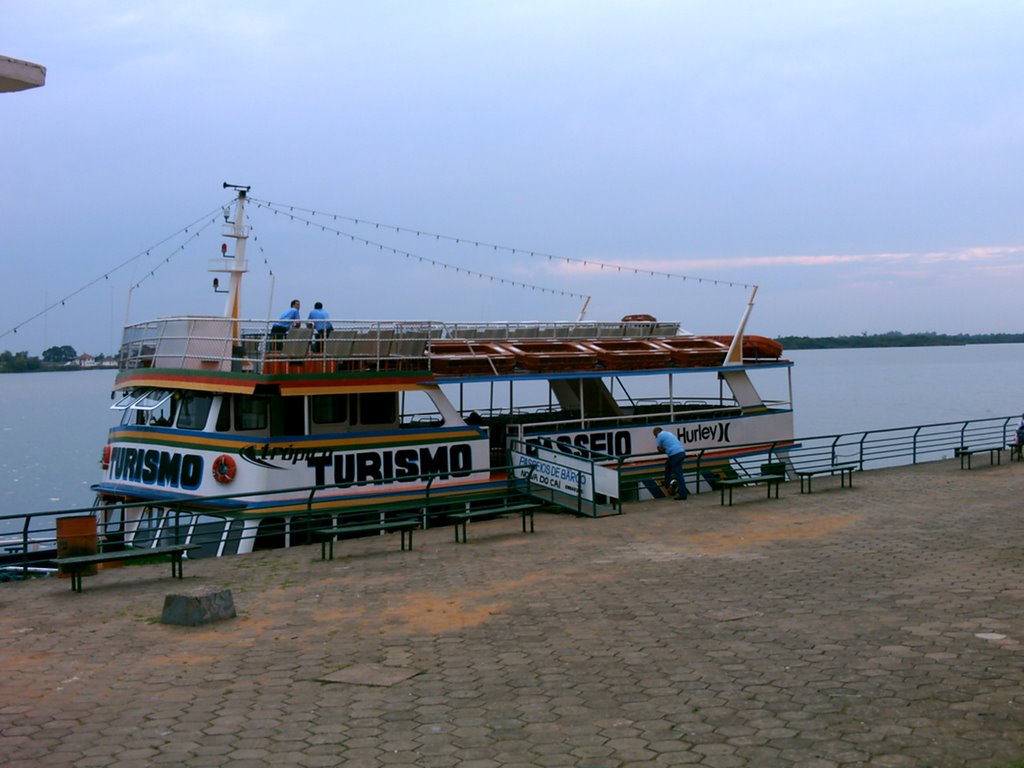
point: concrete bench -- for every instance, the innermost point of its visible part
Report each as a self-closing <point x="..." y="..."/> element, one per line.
<point x="74" y="566"/>
<point x="966" y="453"/>
<point x="844" y="470"/>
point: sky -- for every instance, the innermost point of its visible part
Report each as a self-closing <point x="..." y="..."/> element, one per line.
<point x="861" y="162"/>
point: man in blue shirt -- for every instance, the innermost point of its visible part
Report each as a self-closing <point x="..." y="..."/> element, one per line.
<point x="322" y="321"/>
<point x="322" y="325"/>
<point x="669" y="444"/>
<point x="288" y="319"/>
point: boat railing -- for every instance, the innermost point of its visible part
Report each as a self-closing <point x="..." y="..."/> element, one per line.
<point x="668" y="414"/>
<point x="557" y="330"/>
<point x="257" y="346"/>
<point x="254" y="346"/>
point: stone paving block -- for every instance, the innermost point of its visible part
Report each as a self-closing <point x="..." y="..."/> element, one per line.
<point x="369" y="674"/>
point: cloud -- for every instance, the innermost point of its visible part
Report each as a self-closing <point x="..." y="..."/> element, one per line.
<point x="971" y="255"/>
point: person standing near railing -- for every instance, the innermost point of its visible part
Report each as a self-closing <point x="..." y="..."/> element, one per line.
<point x="675" y="453"/>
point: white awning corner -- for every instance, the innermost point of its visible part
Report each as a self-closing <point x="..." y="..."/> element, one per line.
<point x="17" y="75"/>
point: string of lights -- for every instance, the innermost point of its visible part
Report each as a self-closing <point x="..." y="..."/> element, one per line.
<point x="413" y="256"/>
<point x="167" y="259"/>
<point x="292" y="210"/>
<point x="207" y="219"/>
<point x="311" y="217"/>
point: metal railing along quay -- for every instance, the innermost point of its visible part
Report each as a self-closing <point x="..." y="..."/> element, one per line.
<point x="870" y="449"/>
<point x="28" y="541"/>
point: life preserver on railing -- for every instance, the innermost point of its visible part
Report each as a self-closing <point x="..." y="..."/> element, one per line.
<point x="224" y="469"/>
<point x="108" y="451"/>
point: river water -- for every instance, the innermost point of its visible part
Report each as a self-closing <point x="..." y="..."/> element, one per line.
<point x="53" y="425"/>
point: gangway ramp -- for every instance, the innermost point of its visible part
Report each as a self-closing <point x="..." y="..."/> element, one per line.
<point x="584" y="482"/>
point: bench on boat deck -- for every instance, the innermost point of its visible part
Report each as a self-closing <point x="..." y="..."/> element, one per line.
<point x="844" y="469"/>
<point x="76" y="565"/>
<point x="328" y="535"/>
<point x="1016" y="451"/>
<point x="965" y="452"/>
<point x="771" y="476"/>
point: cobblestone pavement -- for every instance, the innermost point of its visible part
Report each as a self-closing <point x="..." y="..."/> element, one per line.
<point x="878" y="626"/>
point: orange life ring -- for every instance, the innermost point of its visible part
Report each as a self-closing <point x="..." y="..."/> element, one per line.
<point x="224" y="469"/>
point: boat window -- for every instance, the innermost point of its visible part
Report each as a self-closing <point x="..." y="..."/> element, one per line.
<point x="151" y="400"/>
<point x="193" y="410"/>
<point x="329" y="409"/>
<point x="420" y="411"/>
<point x="378" y="407"/>
<point x="224" y="414"/>
<point x="126" y="400"/>
<point x="153" y="407"/>
<point x="287" y="416"/>
<point x="161" y="415"/>
<point x="250" y="413"/>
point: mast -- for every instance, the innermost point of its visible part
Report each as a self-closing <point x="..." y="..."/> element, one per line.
<point x="233" y="264"/>
<point x="735" y="354"/>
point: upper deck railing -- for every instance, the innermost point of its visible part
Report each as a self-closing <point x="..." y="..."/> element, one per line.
<point x="256" y="346"/>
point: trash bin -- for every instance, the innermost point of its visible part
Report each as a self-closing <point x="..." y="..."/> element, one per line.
<point x="76" y="536"/>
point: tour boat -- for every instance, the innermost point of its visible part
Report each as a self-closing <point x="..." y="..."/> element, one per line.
<point x="228" y="435"/>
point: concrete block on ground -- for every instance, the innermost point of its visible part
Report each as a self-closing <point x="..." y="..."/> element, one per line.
<point x="199" y="607"/>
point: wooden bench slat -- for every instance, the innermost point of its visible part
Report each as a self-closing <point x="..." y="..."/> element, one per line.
<point x="843" y="469"/>
<point x="328" y="534"/>
<point x="741" y="482"/>
<point x="462" y="519"/>
<point x="493" y="510"/>
<point x="74" y="563"/>
<point x="995" y="454"/>
<point x="124" y="554"/>
<point x="457" y="507"/>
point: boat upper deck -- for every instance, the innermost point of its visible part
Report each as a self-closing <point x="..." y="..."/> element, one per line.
<point x="447" y="350"/>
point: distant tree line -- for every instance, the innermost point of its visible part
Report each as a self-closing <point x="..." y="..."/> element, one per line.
<point x="15" y="362"/>
<point x="897" y="339"/>
<point x="52" y="358"/>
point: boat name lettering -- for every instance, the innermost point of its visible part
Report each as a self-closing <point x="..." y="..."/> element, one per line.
<point x="403" y="465"/>
<point x="262" y="455"/>
<point x="618" y="443"/>
<point x="704" y="433"/>
<point x="153" y="467"/>
<point x="543" y="470"/>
